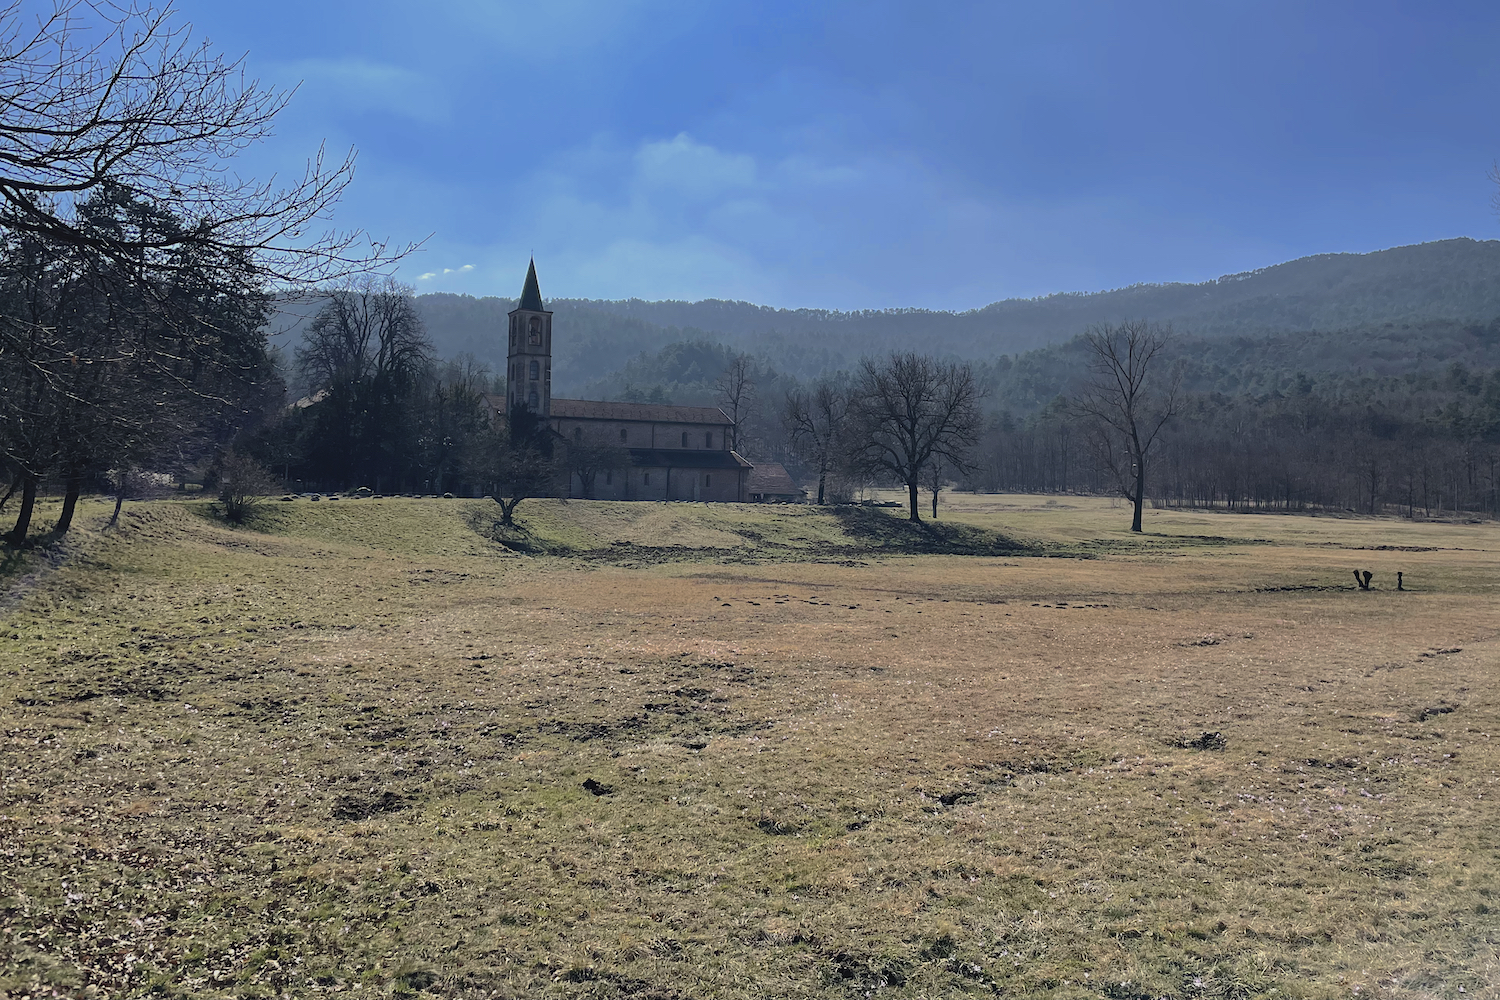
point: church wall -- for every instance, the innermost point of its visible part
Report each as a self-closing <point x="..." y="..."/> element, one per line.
<point x="704" y="485"/>
<point x="645" y="434"/>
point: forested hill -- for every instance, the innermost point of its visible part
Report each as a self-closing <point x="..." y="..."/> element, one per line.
<point x="1450" y="283"/>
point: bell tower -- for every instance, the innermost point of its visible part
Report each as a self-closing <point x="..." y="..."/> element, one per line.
<point x="528" y="377"/>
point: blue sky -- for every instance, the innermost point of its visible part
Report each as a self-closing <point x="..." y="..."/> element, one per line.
<point x="871" y="154"/>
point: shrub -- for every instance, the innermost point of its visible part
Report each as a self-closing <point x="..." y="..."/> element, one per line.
<point x="243" y="485"/>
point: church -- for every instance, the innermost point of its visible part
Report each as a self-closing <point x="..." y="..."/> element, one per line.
<point x="676" y="452"/>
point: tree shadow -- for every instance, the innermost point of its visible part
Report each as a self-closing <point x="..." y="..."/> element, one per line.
<point x="877" y="529"/>
<point x="515" y="537"/>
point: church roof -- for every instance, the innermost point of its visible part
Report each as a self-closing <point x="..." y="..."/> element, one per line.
<point x="531" y="295"/>
<point x="661" y="413"/>
<point x="772" y="479"/>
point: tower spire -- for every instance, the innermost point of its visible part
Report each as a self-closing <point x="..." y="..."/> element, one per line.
<point x="529" y="372"/>
<point x="531" y="295"/>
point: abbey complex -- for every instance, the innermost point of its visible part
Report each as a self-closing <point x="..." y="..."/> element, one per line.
<point x="676" y="452"/>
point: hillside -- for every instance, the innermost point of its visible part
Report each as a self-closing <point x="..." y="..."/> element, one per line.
<point x="1448" y="285"/>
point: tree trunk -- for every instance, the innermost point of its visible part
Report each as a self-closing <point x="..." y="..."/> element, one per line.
<point x="1140" y="495"/>
<point x="822" y="476"/>
<point x="911" y="488"/>
<point x="934" y="504"/>
<point x="14" y="484"/>
<point x="70" y="504"/>
<point x="17" y="536"/>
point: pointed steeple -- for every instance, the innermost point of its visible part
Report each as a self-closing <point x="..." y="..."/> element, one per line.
<point x="531" y="295"/>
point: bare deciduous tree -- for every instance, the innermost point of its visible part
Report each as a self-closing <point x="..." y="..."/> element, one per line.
<point x="450" y="416"/>
<point x="364" y="352"/>
<point x="368" y="330"/>
<point x="937" y="478"/>
<point x="815" y="422"/>
<point x="117" y="136"/>
<point x="588" y="455"/>
<point x="92" y="94"/>
<point x="517" y="458"/>
<point x="736" y="388"/>
<point x="907" y="411"/>
<point x="1125" y="412"/>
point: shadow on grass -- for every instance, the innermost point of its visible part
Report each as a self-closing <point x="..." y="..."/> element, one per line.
<point x="879" y="530"/>
<point x="1153" y="542"/>
<point x="23" y="567"/>
<point x="486" y="523"/>
<point x="868" y="532"/>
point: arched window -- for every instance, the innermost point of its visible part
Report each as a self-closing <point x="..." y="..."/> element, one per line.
<point x="578" y="434"/>
<point x="535" y="332"/>
<point x="646" y="479"/>
<point x="684" y="439"/>
<point x="536" y="371"/>
<point x="533" y="400"/>
<point x="706" y="478"/>
<point x="708" y="439"/>
<point x="622" y="434"/>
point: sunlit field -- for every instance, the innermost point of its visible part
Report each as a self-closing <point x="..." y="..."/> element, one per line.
<point x="374" y="747"/>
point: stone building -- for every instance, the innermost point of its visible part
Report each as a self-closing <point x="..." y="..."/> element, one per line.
<point x="769" y="482"/>
<point x="674" y="452"/>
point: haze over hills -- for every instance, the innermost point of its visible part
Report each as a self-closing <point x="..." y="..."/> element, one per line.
<point x="1387" y="312"/>
<point x="1451" y="284"/>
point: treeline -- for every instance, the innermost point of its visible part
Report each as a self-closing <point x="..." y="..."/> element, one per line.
<point x="1420" y="445"/>
<point x="379" y="410"/>
<point x="111" y="363"/>
<point x="136" y="264"/>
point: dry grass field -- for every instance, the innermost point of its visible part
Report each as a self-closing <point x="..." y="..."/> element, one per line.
<point x="373" y="748"/>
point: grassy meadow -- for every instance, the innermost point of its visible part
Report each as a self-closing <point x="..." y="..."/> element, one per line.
<point x="381" y="747"/>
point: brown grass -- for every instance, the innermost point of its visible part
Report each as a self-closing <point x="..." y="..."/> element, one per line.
<point x="349" y="755"/>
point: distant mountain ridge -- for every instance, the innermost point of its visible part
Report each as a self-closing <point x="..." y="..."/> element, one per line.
<point x="1449" y="283"/>
<point x="1456" y="279"/>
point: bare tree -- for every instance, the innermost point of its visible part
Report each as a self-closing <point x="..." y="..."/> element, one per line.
<point x="588" y="455"/>
<point x="815" y="421"/>
<point x="1124" y="410"/>
<point x="519" y="474"/>
<point x="517" y="458"/>
<point x="365" y="351"/>
<point x="907" y="411"/>
<point x="937" y="478"/>
<point x="451" y="416"/>
<point x="92" y="94"/>
<point x="736" y="388"/>
<point x="117" y="135"/>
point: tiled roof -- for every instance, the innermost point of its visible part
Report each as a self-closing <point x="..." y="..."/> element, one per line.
<point x="661" y="413"/>
<point x="770" y="478"/>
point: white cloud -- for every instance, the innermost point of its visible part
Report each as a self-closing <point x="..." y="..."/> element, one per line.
<point x="685" y="168"/>
<point x="354" y="84"/>
<point x="445" y="271"/>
